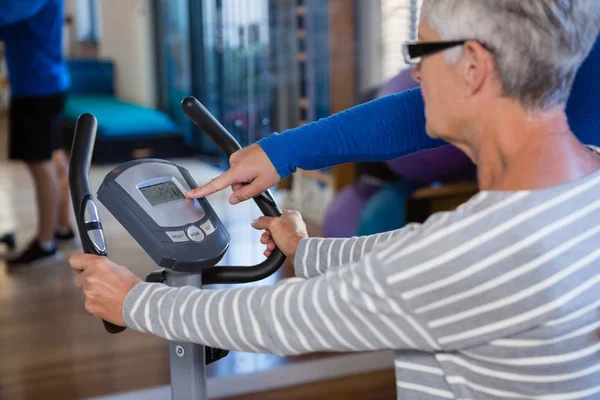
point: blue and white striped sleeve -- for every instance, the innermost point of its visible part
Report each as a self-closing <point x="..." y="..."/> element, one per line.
<point x="346" y="309"/>
<point x="484" y="272"/>
<point x="315" y="256"/>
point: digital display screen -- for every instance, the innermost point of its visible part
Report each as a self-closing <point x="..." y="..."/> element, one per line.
<point x="162" y="193"/>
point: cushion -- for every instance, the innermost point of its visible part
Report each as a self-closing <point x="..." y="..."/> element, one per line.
<point x="118" y="119"/>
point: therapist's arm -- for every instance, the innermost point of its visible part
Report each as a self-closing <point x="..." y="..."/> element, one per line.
<point x="380" y="130"/>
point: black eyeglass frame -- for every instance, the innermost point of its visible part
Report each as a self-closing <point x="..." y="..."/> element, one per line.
<point x="414" y="51"/>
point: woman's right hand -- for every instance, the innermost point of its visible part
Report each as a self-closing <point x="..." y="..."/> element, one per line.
<point x="285" y="232"/>
<point x="251" y="173"/>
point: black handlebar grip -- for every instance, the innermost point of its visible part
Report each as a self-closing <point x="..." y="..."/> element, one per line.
<point x="238" y="275"/>
<point x="204" y="120"/>
<point x="208" y="124"/>
<point x="81" y="159"/>
<point x="79" y="167"/>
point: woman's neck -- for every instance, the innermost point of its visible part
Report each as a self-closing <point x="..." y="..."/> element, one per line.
<point x="515" y="150"/>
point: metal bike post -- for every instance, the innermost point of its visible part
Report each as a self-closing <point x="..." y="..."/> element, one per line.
<point x="187" y="360"/>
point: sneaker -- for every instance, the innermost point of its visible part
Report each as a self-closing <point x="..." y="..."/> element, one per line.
<point x="9" y="241"/>
<point x="34" y="254"/>
<point x="64" y="235"/>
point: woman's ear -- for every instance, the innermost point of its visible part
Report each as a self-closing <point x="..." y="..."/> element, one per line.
<point x="476" y="67"/>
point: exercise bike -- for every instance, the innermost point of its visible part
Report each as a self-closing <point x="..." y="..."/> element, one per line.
<point x="184" y="237"/>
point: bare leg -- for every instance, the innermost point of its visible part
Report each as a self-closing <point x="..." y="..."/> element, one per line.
<point x="61" y="164"/>
<point x="47" y="194"/>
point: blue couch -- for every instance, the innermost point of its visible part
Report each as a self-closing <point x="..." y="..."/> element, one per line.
<point x="125" y="130"/>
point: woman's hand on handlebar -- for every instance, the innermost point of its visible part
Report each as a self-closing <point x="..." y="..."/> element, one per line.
<point x="104" y="286"/>
<point x="285" y="232"/>
<point x="250" y="174"/>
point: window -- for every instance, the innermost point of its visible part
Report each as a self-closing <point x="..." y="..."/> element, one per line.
<point x="88" y="21"/>
<point x="399" y="23"/>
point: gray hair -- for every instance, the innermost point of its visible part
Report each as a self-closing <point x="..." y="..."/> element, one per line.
<point x="538" y="44"/>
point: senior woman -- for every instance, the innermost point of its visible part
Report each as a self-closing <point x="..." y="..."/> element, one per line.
<point x="494" y="300"/>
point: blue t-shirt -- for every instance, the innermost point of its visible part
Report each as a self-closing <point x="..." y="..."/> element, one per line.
<point x="394" y="126"/>
<point x="32" y="33"/>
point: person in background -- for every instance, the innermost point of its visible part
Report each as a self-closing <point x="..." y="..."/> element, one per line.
<point x="32" y="33"/>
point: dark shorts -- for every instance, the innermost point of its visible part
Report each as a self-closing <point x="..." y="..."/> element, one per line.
<point x="36" y="127"/>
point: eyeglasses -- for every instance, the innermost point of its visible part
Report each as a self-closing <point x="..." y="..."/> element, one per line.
<point x="415" y="51"/>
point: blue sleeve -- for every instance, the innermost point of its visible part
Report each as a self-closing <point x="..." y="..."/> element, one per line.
<point x="380" y="130"/>
<point x="13" y="11"/>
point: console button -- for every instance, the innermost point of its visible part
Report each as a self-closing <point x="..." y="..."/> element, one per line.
<point x="195" y="234"/>
<point x="177" y="236"/>
<point x="208" y="227"/>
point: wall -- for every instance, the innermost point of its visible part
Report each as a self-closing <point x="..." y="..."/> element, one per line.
<point x="128" y="40"/>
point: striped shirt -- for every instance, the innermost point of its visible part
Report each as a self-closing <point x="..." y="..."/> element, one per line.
<point x="497" y="299"/>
